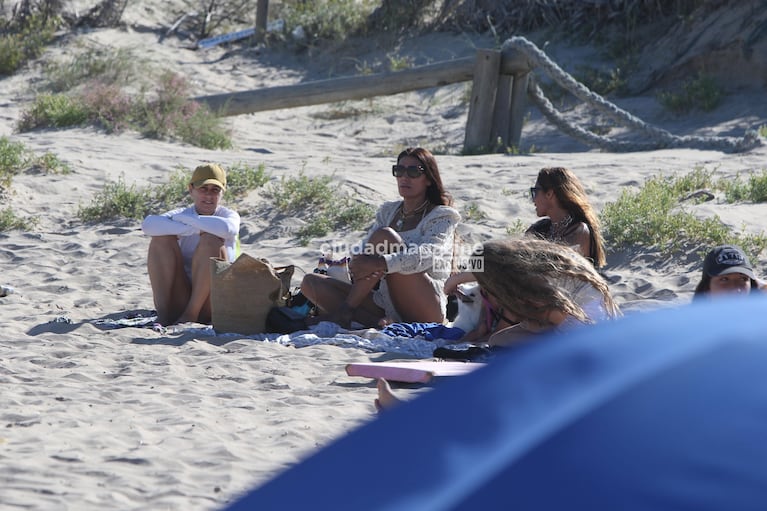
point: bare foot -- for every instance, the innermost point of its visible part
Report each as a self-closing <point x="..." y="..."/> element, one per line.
<point x="342" y="317"/>
<point x="385" y="321"/>
<point x="386" y="398"/>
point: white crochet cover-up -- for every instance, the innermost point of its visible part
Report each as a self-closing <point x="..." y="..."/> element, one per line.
<point x="429" y="250"/>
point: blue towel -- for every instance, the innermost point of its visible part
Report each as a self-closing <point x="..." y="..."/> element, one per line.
<point x="428" y="331"/>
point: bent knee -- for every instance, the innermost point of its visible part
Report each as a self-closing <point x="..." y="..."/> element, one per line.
<point x="386" y="241"/>
<point x="310" y="282"/>
<point x="210" y="244"/>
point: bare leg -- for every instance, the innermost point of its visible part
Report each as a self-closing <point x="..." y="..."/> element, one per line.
<point x="413" y="295"/>
<point x="198" y="307"/>
<point x="170" y="286"/>
<point x="330" y="295"/>
<point x="386" y="398"/>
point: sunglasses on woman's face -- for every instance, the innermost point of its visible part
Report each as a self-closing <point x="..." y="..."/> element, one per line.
<point x="534" y="191"/>
<point x="413" y="171"/>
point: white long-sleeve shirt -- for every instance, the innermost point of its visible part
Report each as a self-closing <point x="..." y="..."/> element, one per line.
<point x="187" y="225"/>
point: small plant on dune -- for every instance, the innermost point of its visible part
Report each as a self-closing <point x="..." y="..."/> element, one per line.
<point x="107" y="106"/>
<point x="319" y="199"/>
<point x="117" y="200"/>
<point x="399" y="62"/>
<point x="600" y="81"/>
<point x="105" y="66"/>
<point x="701" y="93"/>
<point x="299" y="193"/>
<point x="24" y="39"/>
<point x="754" y="190"/>
<point x="654" y="217"/>
<point x="10" y="221"/>
<point x="15" y="157"/>
<point x="330" y="20"/>
<point x="53" y="111"/>
<point x="516" y="228"/>
<point x="51" y="164"/>
<point x="473" y="213"/>
<point x="168" y="114"/>
<point x="242" y="178"/>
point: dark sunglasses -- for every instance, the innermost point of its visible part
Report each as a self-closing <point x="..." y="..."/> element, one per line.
<point x="411" y="171"/>
<point x="534" y="191"/>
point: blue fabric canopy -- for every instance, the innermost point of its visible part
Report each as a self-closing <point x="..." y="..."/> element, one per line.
<point x="659" y="410"/>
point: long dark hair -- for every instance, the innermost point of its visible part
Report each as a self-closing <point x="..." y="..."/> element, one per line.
<point x="572" y="197"/>
<point x="435" y="193"/>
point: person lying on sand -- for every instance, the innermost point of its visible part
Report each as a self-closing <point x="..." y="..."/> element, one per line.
<point x="541" y="286"/>
<point x="490" y="320"/>
<point x="559" y="196"/>
<point x="538" y="285"/>
<point x="398" y="272"/>
<point x="183" y="241"/>
<point x="726" y="271"/>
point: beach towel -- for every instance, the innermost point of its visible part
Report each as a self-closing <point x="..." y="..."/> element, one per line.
<point x="428" y="331"/>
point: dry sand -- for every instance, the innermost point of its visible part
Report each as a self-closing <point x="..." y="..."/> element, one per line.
<point x="134" y="418"/>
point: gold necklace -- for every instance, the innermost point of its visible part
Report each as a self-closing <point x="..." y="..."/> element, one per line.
<point x="403" y="215"/>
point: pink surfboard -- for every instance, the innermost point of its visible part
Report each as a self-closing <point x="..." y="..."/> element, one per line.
<point x="419" y="371"/>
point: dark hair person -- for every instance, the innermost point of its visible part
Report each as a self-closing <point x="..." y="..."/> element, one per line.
<point x="726" y="270"/>
<point x="399" y="270"/>
<point x="559" y="196"/>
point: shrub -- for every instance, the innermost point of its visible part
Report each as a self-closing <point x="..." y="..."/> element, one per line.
<point x="9" y="221"/>
<point x="321" y="201"/>
<point x="107" y="106"/>
<point x="242" y="178"/>
<point x="701" y="92"/>
<point x="472" y="213"/>
<point x="53" y="111"/>
<point x="14" y="157"/>
<point x="168" y="115"/>
<point x="653" y="217"/>
<point x="117" y="200"/>
<point x="330" y="20"/>
<point x="23" y="40"/>
<point x="107" y="67"/>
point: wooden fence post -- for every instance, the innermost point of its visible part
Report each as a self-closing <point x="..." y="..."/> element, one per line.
<point x="262" y="13"/>
<point x="517" y="109"/>
<point x="516" y="64"/>
<point x="479" y="125"/>
<point x="500" y="133"/>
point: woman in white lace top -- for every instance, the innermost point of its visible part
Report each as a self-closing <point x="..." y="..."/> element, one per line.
<point x="399" y="270"/>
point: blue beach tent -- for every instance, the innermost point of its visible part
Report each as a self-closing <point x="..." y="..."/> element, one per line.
<point x="663" y="410"/>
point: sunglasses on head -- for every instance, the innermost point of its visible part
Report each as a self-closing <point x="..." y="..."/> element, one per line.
<point x="534" y="191"/>
<point x="411" y="170"/>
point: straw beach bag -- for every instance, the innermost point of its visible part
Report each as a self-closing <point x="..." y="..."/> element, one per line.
<point x="243" y="292"/>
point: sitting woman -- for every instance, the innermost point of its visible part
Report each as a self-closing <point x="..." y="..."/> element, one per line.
<point x="537" y="286"/>
<point x="726" y="270"/>
<point x="559" y="196"/>
<point x="399" y="270"/>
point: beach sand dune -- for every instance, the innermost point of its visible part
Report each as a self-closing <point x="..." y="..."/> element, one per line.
<point x="95" y="417"/>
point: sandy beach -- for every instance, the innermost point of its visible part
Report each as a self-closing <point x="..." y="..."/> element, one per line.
<point x="96" y="417"/>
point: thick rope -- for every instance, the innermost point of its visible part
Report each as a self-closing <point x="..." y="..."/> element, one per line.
<point x="658" y="138"/>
